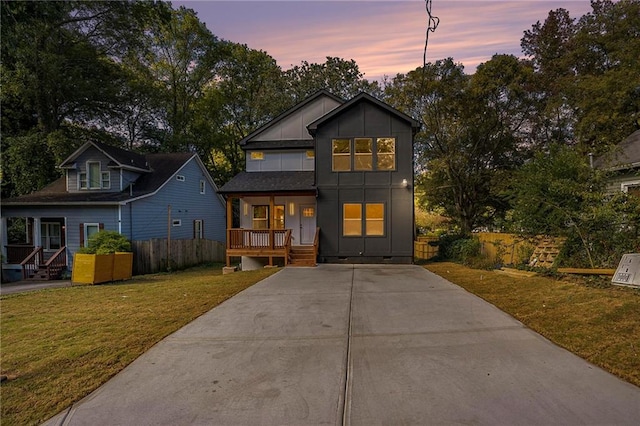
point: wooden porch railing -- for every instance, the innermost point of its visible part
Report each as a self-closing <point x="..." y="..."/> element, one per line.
<point x="32" y="262"/>
<point x="16" y="253"/>
<point x="258" y="242"/>
<point x="56" y="263"/>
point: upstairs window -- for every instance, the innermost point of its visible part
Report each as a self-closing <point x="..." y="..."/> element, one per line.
<point x="364" y="154"/>
<point x="202" y="187"/>
<point x="386" y="154"/>
<point x="257" y="155"/>
<point x="341" y="149"/>
<point x="94" y="178"/>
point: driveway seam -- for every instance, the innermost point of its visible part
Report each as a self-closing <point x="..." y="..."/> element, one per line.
<point x="346" y="408"/>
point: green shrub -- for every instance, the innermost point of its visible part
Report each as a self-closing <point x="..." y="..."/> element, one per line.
<point x="106" y="242"/>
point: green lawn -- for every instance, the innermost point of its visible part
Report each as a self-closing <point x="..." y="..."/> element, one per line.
<point x="599" y="324"/>
<point x="58" y="345"/>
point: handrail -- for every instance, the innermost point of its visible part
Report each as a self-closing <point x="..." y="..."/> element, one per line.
<point x="30" y="263"/>
<point x="287" y="246"/>
<point x="316" y="242"/>
<point x="56" y="263"/>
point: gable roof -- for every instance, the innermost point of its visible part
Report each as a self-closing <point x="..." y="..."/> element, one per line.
<point x="289" y="143"/>
<point x="363" y="97"/>
<point x="625" y="156"/>
<point x="121" y="158"/>
<point x="270" y="182"/>
<point x="162" y="167"/>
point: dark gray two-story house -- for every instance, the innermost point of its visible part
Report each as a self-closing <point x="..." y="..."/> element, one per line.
<point x="328" y="181"/>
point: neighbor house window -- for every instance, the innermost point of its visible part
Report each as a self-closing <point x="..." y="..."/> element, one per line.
<point x="386" y="154"/>
<point x="202" y="187"/>
<point x="88" y="229"/>
<point x="363" y="154"/>
<point x="50" y="235"/>
<point x="198" y="229"/>
<point x="180" y="178"/>
<point x="177" y="222"/>
<point x="257" y="155"/>
<point x="374" y="219"/>
<point x="352" y="220"/>
<point x="341" y="149"/>
<point x="93" y="178"/>
<point x="260" y="217"/>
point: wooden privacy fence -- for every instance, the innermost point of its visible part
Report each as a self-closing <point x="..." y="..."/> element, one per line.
<point x="151" y="256"/>
<point x="422" y="249"/>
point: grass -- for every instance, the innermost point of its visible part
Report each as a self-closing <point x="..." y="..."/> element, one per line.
<point x="598" y="322"/>
<point x="58" y="345"/>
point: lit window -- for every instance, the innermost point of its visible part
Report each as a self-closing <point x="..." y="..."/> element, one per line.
<point x="386" y="148"/>
<point x="260" y="217"/>
<point x="311" y="154"/>
<point x="352" y="220"/>
<point x="278" y="217"/>
<point x="374" y="219"/>
<point x="363" y="154"/>
<point x="257" y="155"/>
<point x="308" y="212"/>
<point x="341" y="149"/>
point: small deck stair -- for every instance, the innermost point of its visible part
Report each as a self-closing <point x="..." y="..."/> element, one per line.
<point x="302" y="256"/>
<point x="45" y="274"/>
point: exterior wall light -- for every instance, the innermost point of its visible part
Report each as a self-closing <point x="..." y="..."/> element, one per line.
<point x="245" y="208"/>
<point x="292" y="208"/>
<point x="405" y="183"/>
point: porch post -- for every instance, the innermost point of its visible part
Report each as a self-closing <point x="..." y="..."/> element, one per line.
<point x="3" y="239"/>
<point x="272" y="223"/>
<point x="229" y="226"/>
<point x="37" y="241"/>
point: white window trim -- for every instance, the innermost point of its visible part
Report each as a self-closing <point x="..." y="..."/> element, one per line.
<point x="180" y="178"/>
<point x="89" y="175"/>
<point x="203" y="186"/>
<point x="624" y="186"/>
<point x="176" y="222"/>
<point x="86" y="233"/>
<point x="107" y="180"/>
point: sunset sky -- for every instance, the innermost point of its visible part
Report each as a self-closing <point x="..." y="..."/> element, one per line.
<point x="383" y="37"/>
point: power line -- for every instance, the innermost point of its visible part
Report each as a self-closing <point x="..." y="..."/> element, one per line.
<point x="432" y="24"/>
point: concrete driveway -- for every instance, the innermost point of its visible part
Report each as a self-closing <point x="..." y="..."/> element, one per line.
<point x="359" y="345"/>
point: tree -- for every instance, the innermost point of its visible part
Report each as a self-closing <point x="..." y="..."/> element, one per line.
<point x="339" y="76"/>
<point x="473" y="133"/>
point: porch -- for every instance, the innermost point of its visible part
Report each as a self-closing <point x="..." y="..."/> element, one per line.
<point x="270" y="244"/>
<point x="34" y="263"/>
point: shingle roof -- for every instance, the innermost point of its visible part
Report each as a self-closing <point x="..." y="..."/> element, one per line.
<point x="625" y="156"/>
<point x="271" y="182"/>
<point x="287" y="144"/>
<point x="120" y="157"/>
<point x="415" y="125"/>
<point x="162" y="166"/>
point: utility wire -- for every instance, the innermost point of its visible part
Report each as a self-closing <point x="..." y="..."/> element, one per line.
<point x="432" y="24"/>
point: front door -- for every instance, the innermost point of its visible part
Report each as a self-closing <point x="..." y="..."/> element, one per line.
<point x="307" y="224"/>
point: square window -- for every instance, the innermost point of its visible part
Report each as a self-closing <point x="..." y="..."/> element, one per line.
<point x="352" y="220"/>
<point x="311" y="154"/>
<point x="341" y="155"/>
<point x="386" y="153"/>
<point x="374" y="219"/>
<point x="364" y="154"/>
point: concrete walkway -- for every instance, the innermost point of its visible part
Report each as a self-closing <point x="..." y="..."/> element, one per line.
<point x="359" y="345"/>
<point x="25" y="286"/>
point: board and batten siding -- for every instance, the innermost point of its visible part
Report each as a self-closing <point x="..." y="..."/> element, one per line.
<point x="149" y="217"/>
<point x="276" y="161"/>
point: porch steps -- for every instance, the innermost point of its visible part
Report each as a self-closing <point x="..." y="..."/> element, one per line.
<point x="302" y="256"/>
<point x="42" y="275"/>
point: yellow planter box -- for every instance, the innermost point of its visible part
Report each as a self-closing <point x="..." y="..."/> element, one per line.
<point x="122" y="266"/>
<point x="101" y="268"/>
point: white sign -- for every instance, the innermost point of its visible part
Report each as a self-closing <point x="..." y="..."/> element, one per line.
<point x="628" y="272"/>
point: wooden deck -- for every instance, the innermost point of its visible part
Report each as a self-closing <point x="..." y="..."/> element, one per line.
<point x="269" y="243"/>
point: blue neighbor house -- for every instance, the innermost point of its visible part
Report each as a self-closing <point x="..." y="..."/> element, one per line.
<point x="104" y="187"/>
